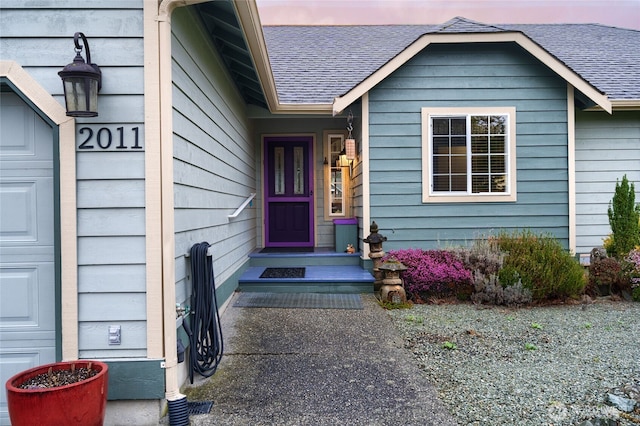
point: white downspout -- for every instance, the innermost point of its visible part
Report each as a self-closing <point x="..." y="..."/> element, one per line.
<point x="172" y="387"/>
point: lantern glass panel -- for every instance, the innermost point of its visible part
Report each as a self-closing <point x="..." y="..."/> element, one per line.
<point x="81" y="96"/>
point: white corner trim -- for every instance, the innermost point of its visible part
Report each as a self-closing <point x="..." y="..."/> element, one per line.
<point x="366" y="174"/>
<point x="153" y="175"/>
<point x="571" y="166"/>
<point x="341" y="102"/>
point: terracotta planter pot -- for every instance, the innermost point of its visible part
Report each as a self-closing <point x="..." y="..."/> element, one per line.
<point x="81" y="403"/>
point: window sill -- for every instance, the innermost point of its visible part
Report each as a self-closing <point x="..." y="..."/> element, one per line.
<point x="509" y="198"/>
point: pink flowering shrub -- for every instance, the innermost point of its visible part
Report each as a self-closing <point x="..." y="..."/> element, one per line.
<point x="432" y="271"/>
<point x="633" y="260"/>
<point x="634" y="263"/>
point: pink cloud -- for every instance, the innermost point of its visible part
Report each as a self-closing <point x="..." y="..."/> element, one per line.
<point x="621" y="13"/>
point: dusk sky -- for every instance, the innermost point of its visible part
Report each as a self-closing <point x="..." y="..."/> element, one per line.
<point x="621" y="13"/>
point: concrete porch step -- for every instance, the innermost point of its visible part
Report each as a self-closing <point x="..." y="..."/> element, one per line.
<point x="317" y="279"/>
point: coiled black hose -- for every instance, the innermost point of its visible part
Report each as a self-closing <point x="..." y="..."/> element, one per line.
<point x="204" y="329"/>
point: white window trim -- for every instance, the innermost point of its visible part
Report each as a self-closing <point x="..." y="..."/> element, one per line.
<point x="346" y="184"/>
<point x="427" y="194"/>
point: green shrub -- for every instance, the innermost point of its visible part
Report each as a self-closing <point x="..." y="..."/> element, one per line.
<point x="624" y="218"/>
<point x="542" y="265"/>
<point x="509" y="275"/>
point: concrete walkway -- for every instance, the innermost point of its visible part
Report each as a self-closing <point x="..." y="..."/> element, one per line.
<point x="316" y="367"/>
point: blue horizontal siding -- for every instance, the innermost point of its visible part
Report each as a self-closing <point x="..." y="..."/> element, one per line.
<point x="214" y="166"/>
<point x="468" y="76"/>
<point x="110" y="186"/>
<point x="607" y="147"/>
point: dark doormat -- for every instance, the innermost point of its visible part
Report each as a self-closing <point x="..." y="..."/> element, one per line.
<point x="299" y="300"/>
<point x="199" y="407"/>
<point x="287" y="250"/>
<point x="283" y="273"/>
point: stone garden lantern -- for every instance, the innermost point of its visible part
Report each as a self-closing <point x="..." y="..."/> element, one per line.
<point x="392" y="289"/>
<point x="376" y="254"/>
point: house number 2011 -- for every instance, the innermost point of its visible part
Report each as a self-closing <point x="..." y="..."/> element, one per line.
<point x="110" y="138"/>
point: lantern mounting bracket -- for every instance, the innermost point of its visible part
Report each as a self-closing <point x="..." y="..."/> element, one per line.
<point x="76" y="41"/>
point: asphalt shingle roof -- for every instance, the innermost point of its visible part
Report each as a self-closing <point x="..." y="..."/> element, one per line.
<point x="315" y="64"/>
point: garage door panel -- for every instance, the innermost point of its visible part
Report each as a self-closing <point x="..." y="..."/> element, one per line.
<point x="21" y="219"/>
<point x="22" y="288"/>
<point x="27" y="241"/>
<point x="22" y="140"/>
<point x="18" y="139"/>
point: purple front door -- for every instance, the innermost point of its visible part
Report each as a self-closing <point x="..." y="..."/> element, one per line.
<point x="288" y="191"/>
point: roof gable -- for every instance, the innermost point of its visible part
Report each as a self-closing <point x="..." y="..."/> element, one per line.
<point x="607" y="57"/>
<point x="316" y="64"/>
<point x="527" y="44"/>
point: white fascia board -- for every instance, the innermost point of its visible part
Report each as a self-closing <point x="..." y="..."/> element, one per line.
<point x="303" y="109"/>
<point x="342" y="102"/>
<point x="619" y="105"/>
<point x="625" y="104"/>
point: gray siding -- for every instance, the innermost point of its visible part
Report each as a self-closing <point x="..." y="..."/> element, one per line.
<point x="461" y="75"/>
<point x="607" y="147"/>
<point x="110" y="191"/>
<point x="214" y="156"/>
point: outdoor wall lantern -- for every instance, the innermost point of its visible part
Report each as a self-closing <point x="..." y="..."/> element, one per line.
<point x="81" y="82"/>
<point x="348" y="153"/>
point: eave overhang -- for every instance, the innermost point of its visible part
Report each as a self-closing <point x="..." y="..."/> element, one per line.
<point x="599" y="98"/>
<point x="624" y="104"/>
<point x="248" y="17"/>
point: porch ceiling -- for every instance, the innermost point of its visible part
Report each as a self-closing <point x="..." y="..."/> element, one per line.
<point x="221" y="23"/>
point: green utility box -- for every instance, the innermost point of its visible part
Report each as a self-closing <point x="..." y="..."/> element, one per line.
<point x="346" y="232"/>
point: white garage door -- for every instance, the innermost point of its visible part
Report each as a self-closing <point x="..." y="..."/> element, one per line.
<point x="27" y="255"/>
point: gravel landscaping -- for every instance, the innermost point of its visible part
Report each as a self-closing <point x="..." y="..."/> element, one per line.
<point x="554" y="365"/>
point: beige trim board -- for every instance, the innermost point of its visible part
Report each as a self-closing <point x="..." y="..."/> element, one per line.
<point x="153" y="176"/>
<point x="619" y="105"/>
<point x="626" y="104"/>
<point x="68" y="224"/>
<point x="342" y="102"/>
<point x="304" y="109"/>
<point x="366" y="174"/>
<point x="571" y="166"/>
